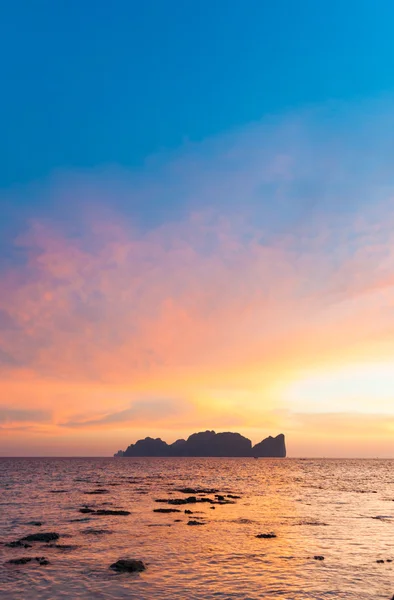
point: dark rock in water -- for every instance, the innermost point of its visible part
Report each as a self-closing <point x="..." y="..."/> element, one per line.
<point x="112" y="512"/>
<point x="389" y="560"/>
<point x="189" y="500"/>
<point x="177" y="520"/>
<point x="188" y="512"/>
<point x="41" y="537"/>
<point x="212" y="507"/>
<point x="20" y="561"/>
<point x="208" y="443"/>
<point x="35" y="523"/>
<point x="233" y="497"/>
<point x="195" y="523"/>
<point x="318" y="557"/>
<point x="98" y="491"/>
<point x="189" y="490"/>
<point x="27" y="559"/>
<point x="128" y="565"/>
<point x="86" y="510"/>
<point x="220" y="497"/>
<point x="380" y="561"/>
<point x="177" y="501"/>
<point x="18" y="544"/>
<point x="166" y="510"/>
<point x="266" y="536"/>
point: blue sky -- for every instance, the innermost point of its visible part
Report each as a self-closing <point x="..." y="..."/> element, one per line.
<point x="89" y="83"/>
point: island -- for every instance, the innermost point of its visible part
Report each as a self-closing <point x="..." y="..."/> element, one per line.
<point x="209" y="443"/>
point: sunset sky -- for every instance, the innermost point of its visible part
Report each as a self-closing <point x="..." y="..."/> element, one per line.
<point x="197" y="224"/>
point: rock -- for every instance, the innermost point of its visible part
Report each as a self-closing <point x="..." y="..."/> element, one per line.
<point x="26" y="559"/>
<point x="35" y="523"/>
<point x="112" y="512"/>
<point x="20" y="561"/>
<point x="233" y="497"/>
<point x="188" y="512"/>
<point x="271" y="447"/>
<point x="189" y="500"/>
<point x="266" y="536"/>
<point x="99" y="491"/>
<point x="189" y="490"/>
<point x="128" y="565"/>
<point x="380" y="561"/>
<point x="208" y="443"/>
<point x="193" y="500"/>
<point x="318" y="557"/>
<point x="40" y="537"/>
<point x="86" y="510"/>
<point x="195" y="523"/>
<point x="212" y="507"/>
<point x="166" y="510"/>
<point x="221" y="498"/>
<point x="18" y="544"/>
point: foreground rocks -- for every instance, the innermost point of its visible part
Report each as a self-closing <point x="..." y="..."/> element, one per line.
<point x="27" y="559"/>
<point x="103" y="512"/>
<point x="266" y="536"/>
<point x="18" y="544"/>
<point x="194" y="500"/>
<point x="41" y="537"/>
<point x="128" y="565"/>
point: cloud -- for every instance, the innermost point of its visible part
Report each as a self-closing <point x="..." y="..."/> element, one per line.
<point x="240" y="263"/>
<point x="145" y="411"/>
<point x="10" y="415"/>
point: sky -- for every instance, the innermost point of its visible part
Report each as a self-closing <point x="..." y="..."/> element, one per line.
<point x="197" y="224"/>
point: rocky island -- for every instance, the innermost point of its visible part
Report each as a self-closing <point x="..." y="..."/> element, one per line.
<point x="209" y="443"/>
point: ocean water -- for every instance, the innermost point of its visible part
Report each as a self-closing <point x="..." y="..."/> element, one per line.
<point x="340" y="509"/>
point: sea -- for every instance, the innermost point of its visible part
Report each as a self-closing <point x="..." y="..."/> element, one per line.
<point x="333" y="522"/>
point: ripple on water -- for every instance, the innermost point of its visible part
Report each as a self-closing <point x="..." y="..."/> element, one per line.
<point x="336" y="509"/>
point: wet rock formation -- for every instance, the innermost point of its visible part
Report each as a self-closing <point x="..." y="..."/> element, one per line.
<point x="209" y="443"/>
<point x="128" y="565"/>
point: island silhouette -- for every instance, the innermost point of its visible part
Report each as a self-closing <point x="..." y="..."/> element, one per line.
<point x="209" y="443"/>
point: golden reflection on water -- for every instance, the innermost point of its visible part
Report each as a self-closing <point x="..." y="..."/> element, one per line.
<point x="314" y="508"/>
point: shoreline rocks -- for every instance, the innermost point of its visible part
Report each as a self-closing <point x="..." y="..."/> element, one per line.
<point x="41" y="537"/>
<point x="128" y="565"/>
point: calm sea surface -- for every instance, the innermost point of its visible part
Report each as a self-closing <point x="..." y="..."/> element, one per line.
<point x="340" y="509"/>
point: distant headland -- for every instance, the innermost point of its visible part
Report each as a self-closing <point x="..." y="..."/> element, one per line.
<point x="209" y="443"/>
